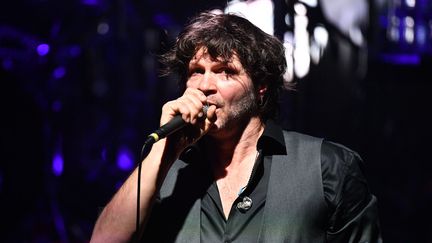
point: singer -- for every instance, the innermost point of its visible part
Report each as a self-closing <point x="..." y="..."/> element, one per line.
<point x="232" y="174"/>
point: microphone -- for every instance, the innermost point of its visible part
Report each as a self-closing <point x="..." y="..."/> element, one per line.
<point x="170" y="127"/>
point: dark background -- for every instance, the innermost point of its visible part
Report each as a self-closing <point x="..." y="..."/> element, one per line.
<point x="73" y="118"/>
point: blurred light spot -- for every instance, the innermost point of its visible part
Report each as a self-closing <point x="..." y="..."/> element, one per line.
<point x="315" y="52"/>
<point x="56" y="106"/>
<point x="395" y="20"/>
<point x="59" y="72"/>
<point x="216" y="11"/>
<point x="258" y="12"/>
<point x="289" y="73"/>
<point x="90" y="2"/>
<point x="421" y="34"/>
<point x="288" y="21"/>
<point x="7" y="64"/>
<point x="384" y="21"/>
<point x="409" y="35"/>
<point x="104" y="154"/>
<point x="393" y="34"/>
<point x="310" y="3"/>
<point x="410" y="3"/>
<point x="356" y="36"/>
<point x="57" y="164"/>
<point x="321" y="36"/>
<point x="163" y="20"/>
<point x="103" y="28"/>
<point x="300" y="9"/>
<point x="409" y="29"/>
<point x="43" y="49"/>
<point x="124" y="159"/>
<point x="409" y="21"/>
<point x="75" y="51"/>
<point x="401" y="59"/>
<point x="100" y="88"/>
<point x="59" y="222"/>
<point x="301" y="40"/>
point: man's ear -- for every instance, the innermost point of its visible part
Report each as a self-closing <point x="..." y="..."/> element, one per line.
<point x="262" y="90"/>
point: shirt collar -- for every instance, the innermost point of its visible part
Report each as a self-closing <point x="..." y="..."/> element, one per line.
<point x="272" y="140"/>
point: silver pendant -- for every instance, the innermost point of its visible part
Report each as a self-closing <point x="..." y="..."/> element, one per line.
<point x="245" y="205"/>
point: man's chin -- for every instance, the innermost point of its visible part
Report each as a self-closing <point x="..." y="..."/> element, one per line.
<point x="213" y="129"/>
<point x="220" y="130"/>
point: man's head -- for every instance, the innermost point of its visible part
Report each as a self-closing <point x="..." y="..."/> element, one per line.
<point x="225" y="35"/>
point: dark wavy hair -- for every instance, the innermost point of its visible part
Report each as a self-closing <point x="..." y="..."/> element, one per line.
<point x="261" y="55"/>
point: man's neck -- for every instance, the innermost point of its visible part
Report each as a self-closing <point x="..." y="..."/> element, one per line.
<point x="230" y="151"/>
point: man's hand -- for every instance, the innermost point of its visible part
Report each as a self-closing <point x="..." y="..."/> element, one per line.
<point x="190" y="106"/>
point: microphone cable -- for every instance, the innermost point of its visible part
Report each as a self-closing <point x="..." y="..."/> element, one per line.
<point x="137" y="226"/>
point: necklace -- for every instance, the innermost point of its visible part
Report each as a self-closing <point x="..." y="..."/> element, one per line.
<point x="242" y="189"/>
<point x="228" y="184"/>
<point x="246" y="202"/>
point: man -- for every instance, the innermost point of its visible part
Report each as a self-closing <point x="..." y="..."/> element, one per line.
<point x="232" y="174"/>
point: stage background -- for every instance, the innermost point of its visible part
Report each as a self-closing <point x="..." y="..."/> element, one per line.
<point x="80" y="90"/>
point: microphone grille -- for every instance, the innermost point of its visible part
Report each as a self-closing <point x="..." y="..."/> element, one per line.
<point x="204" y="109"/>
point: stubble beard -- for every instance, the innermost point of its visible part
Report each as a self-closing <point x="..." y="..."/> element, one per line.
<point x="240" y="113"/>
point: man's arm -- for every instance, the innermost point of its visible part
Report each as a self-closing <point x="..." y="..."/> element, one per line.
<point x="117" y="222"/>
<point x="354" y="209"/>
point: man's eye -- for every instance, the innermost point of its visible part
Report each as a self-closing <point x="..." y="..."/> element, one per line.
<point x="196" y="71"/>
<point x="227" y="72"/>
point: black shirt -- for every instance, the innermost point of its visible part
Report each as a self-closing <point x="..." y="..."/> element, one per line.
<point x="344" y="186"/>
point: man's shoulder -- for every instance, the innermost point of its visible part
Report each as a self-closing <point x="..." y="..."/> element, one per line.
<point x="299" y="135"/>
<point x="327" y="147"/>
<point x="339" y="161"/>
<point x="332" y="152"/>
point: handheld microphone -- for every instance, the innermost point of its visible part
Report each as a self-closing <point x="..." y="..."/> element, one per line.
<point x="170" y="127"/>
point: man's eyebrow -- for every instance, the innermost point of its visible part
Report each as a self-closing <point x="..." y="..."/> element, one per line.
<point x="194" y="65"/>
<point x="220" y="63"/>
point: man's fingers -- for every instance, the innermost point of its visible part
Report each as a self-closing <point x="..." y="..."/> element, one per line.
<point x="211" y="113"/>
<point x="190" y="106"/>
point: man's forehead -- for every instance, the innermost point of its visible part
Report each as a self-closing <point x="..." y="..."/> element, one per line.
<point x="203" y="53"/>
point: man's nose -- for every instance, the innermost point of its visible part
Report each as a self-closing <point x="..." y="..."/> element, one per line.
<point x="207" y="82"/>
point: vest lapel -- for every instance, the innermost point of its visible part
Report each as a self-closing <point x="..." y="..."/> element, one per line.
<point x="190" y="232"/>
<point x="181" y="180"/>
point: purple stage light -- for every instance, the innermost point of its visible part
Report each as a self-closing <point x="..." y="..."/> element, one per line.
<point x="57" y="164"/>
<point x="401" y="59"/>
<point x="124" y="159"/>
<point x="56" y="106"/>
<point x="59" y="72"/>
<point x="43" y="49"/>
<point x="90" y="2"/>
<point x="7" y="64"/>
<point x="75" y="51"/>
<point x="163" y="20"/>
<point x="104" y="154"/>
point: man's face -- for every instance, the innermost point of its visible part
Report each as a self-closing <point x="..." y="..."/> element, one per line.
<point x="227" y="86"/>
